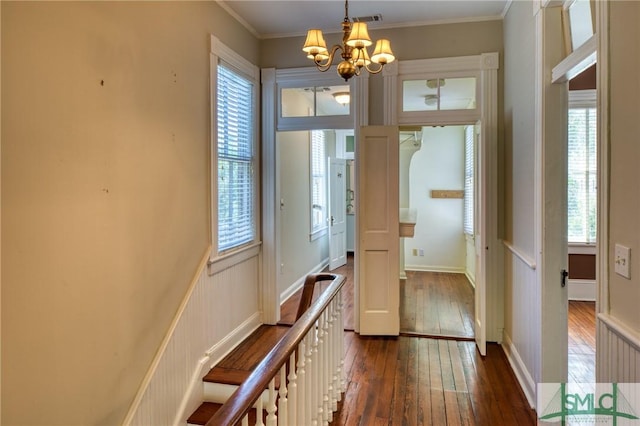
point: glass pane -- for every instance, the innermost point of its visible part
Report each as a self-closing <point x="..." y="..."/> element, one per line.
<point x="581" y="23"/>
<point x="351" y="144"/>
<point x="439" y="94"/>
<point x="418" y="96"/>
<point x="458" y="93"/>
<point x="315" y="101"/>
<point x="298" y="102"/>
<point x="333" y="100"/>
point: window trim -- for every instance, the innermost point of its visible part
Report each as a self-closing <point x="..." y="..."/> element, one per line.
<point x="222" y="53"/>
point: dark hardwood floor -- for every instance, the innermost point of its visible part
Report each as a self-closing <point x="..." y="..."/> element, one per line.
<point x="423" y="381"/>
<point x="582" y="342"/>
<point x="411" y="380"/>
<point x="436" y="304"/>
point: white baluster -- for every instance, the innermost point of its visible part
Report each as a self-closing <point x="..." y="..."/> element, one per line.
<point x="324" y="366"/>
<point x="245" y="420"/>
<point x="303" y="379"/>
<point x="293" y="391"/>
<point x="338" y="334"/>
<point x="343" y="379"/>
<point x="259" y="410"/>
<point x="282" y="397"/>
<point x="272" y="419"/>
<point x="331" y="372"/>
<point x="312" y="367"/>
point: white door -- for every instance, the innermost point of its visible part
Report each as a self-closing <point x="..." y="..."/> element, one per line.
<point x="480" y="200"/>
<point x="378" y="230"/>
<point x="337" y="213"/>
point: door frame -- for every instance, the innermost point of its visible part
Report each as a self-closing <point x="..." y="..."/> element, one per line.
<point x="485" y="66"/>
<point x="271" y="123"/>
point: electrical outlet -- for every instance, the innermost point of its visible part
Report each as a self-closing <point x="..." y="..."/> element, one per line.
<point x="622" y="258"/>
<point x="421" y="252"/>
<point x="415" y="252"/>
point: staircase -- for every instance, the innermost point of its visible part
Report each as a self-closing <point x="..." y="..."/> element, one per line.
<point x="282" y="375"/>
<point x="223" y="379"/>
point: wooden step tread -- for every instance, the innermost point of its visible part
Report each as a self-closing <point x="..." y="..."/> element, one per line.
<point x="207" y="409"/>
<point x="237" y="365"/>
<point x="204" y="412"/>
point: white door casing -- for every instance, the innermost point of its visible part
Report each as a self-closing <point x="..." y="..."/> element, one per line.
<point x="378" y="230"/>
<point x="337" y="212"/>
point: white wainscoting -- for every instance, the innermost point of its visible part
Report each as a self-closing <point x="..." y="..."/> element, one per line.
<point x="617" y="352"/>
<point x="218" y="312"/>
<point x="521" y="340"/>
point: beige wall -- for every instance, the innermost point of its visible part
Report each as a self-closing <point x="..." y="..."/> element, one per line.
<point x="105" y="143"/>
<point x="624" y="209"/>
<point x="522" y="338"/>
<point x="425" y="42"/>
<point x="437" y="165"/>
<point x="519" y="127"/>
<point x="299" y="255"/>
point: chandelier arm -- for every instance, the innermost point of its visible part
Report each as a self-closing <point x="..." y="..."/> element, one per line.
<point x="374" y="70"/>
<point x="326" y="65"/>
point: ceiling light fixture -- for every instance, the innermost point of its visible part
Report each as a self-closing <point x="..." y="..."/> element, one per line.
<point x="431" y="100"/>
<point x="355" y="39"/>
<point x="342" y="98"/>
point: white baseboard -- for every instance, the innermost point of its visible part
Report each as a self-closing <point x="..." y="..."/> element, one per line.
<point x="582" y="290"/>
<point x="472" y="280"/>
<point x="435" y="268"/>
<point x="285" y="295"/>
<point x="527" y="383"/>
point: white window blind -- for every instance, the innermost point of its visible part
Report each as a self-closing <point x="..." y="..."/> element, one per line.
<point x="469" y="193"/>
<point x="318" y="182"/>
<point x="582" y="175"/>
<point x="236" y="183"/>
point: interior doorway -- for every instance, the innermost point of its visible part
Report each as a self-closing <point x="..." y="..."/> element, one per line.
<point x="581" y="225"/>
<point x="437" y="258"/>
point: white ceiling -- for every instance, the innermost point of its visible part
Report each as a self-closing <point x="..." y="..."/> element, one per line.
<point x="278" y="18"/>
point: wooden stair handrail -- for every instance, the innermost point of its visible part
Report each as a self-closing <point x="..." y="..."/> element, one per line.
<point x="242" y="400"/>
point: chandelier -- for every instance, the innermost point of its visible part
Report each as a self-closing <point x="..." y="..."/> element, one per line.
<point x="355" y="40"/>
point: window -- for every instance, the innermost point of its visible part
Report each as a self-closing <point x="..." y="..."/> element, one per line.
<point x="578" y="23"/>
<point x="436" y="94"/>
<point x="315" y="101"/>
<point x="307" y="99"/>
<point x="318" y="184"/>
<point x="234" y="141"/>
<point x="469" y="190"/>
<point x="582" y="175"/>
